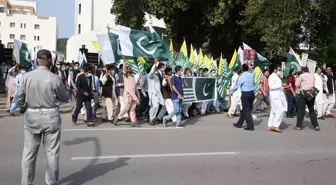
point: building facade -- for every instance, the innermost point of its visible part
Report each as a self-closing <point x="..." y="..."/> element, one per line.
<point x="61" y="45"/>
<point x="93" y="17"/>
<point x="18" y="20"/>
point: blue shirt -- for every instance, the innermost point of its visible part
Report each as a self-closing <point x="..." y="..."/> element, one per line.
<point x="245" y="82"/>
<point x="177" y="82"/>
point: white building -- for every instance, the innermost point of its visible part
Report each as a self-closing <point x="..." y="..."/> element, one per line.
<point x="93" y="17"/>
<point x="18" y="20"/>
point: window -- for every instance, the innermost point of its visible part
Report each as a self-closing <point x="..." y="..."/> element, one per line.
<point x="11" y="36"/>
<point x="12" y="25"/>
<point x="36" y="26"/>
<point x="35" y="38"/>
<point x="79" y="8"/>
<point x="38" y="38"/>
<point x="79" y="29"/>
<point x="22" y="37"/>
<point x="2" y="9"/>
<point x="24" y="25"/>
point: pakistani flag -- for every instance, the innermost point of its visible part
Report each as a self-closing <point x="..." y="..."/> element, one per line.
<point x="109" y="48"/>
<point x="135" y="43"/>
<point x="22" y="55"/>
<point x="293" y="62"/>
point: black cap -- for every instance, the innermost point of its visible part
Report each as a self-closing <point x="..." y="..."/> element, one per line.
<point x="44" y="54"/>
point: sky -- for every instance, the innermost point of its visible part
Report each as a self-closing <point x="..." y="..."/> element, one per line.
<point x="63" y="10"/>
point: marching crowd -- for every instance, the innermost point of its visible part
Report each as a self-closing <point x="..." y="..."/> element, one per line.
<point x="150" y="96"/>
<point x="157" y="95"/>
<point x="302" y="93"/>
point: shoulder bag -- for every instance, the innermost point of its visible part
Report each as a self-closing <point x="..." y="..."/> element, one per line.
<point x="310" y="94"/>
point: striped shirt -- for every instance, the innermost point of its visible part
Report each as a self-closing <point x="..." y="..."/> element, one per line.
<point x="263" y="85"/>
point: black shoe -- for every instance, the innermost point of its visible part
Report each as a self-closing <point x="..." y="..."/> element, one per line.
<point x="237" y="126"/>
<point x="321" y="118"/>
<point x="115" y="121"/>
<point x="151" y="123"/>
<point x="249" y="129"/>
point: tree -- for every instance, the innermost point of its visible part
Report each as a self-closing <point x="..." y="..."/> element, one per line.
<point x="274" y="25"/>
<point x="203" y="23"/>
<point x="129" y="13"/>
<point x="322" y="30"/>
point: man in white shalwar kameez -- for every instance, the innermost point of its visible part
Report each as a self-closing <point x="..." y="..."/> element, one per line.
<point x="320" y="100"/>
<point x="278" y="101"/>
<point x="236" y="96"/>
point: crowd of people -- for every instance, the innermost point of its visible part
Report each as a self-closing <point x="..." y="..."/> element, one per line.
<point x="156" y="96"/>
<point x="301" y="93"/>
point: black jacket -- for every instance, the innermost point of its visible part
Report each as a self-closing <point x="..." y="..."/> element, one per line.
<point x="330" y="84"/>
<point x="84" y="84"/>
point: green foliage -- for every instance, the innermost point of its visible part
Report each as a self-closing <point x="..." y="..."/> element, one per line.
<point x="220" y="26"/>
<point x="276" y="22"/>
<point x="129" y="13"/>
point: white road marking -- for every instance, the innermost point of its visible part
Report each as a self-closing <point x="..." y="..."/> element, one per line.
<point x="118" y="129"/>
<point x="155" y="155"/>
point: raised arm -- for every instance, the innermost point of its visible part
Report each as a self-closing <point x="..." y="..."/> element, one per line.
<point x="154" y="68"/>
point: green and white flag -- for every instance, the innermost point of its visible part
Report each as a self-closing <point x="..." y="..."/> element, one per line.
<point x="293" y="62"/>
<point x="81" y="58"/>
<point x="22" y="55"/>
<point x="109" y="48"/>
<point x="135" y="43"/>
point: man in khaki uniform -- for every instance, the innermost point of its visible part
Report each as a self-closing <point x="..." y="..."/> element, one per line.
<point x="41" y="92"/>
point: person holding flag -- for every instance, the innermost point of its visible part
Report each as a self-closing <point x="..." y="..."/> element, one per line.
<point x="131" y="96"/>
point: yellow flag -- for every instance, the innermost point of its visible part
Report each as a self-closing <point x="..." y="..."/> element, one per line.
<point x="233" y="60"/>
<point x="184" y="49"/>
<point x="142" y="61"/>
<point x="171" y="46"/>
<point x="221" y="63"/>
<point x="96" y="45"/>
<point x="191" y="58"/>
<point x="257" y="74"/>
<point x="200" y="58"/>
<point x="207" y="61"/>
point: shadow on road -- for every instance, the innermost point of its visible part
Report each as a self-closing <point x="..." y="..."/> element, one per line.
<point x="91" y="170"/>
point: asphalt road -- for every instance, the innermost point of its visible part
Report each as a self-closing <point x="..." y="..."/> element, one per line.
<point x="209" y="151"/>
